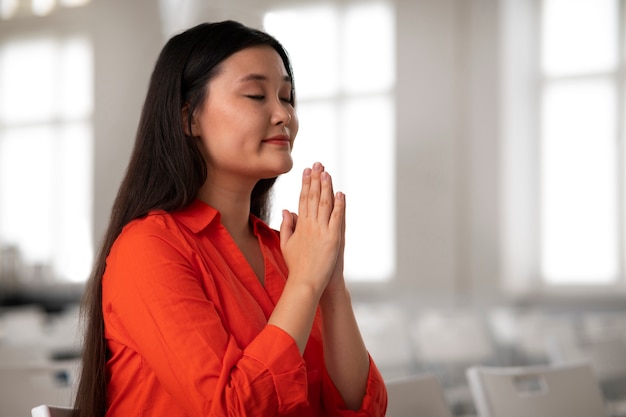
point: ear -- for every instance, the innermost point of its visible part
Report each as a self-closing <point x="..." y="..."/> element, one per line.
<point x="189" y="126"/>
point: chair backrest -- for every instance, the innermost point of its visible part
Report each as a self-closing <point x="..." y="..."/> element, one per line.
<point x="607" y="357"/>
<point x="417" y="395"/>
<point x="539" y="391"/>
<point x="51" y="411"/>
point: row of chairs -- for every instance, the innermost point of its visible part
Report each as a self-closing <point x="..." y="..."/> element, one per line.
<point x="401" y="339"/>
<point x="567" y="390"/>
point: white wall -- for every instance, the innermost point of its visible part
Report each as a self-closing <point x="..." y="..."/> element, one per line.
<point x="448" y="141"/>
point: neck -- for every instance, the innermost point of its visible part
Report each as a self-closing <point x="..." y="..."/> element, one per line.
<point x="233" y="205"/>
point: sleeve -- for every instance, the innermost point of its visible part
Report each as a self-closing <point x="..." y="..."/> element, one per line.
<point x="374" y="402"/>
<point x="154" y="298"/>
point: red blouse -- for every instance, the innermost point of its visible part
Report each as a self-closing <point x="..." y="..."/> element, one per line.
<point x="186" y="326"/>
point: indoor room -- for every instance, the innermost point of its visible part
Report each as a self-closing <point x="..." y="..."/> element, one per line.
<point x="480" y="144"/>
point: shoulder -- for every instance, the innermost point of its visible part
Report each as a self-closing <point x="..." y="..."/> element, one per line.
<point x="156" y="223"/>
<point x="150" y="235"/>
<point x="150" y="249"/>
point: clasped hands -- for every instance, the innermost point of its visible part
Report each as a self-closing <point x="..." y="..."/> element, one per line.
<point x="313" y="241"/>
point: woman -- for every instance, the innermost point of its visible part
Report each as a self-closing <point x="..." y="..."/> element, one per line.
<point x="195" y="306"/>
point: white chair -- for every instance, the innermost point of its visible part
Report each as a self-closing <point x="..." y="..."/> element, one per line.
<point x="51" y="411"/>
<point x="446" y="342"/>
<point x="538" y="391"/>
<point x="607" y="357"/>
<point x="417" y="395"/>
<point x="437" y="335"/>
<point x="25" y="386"/>
<point x="384" y="330"/>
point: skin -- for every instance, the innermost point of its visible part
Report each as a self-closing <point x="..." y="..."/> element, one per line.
<point x="246" y="129"/>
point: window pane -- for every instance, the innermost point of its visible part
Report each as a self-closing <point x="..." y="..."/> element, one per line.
<point x="26" y="191"/>
<point x="579" y="36"/>
<point x="8" y="8"/>
<point x="31" y="95"/>
<point x="368" y="179"/>
<point x="579" y="233"/>
<point x="76" y="79"/>
<point x="42" y="7"/>
<point x="367" y="28"/>
<point x="73" y="252"/>
<point x="314" y="58"/>
<point x="27" y="91"/>
<point x="45" y="198"/>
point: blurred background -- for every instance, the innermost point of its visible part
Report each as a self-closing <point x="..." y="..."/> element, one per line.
<point x="480" y="143"/>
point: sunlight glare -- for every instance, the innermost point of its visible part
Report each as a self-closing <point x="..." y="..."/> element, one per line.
<point x="579" y="36"/>
<point x="314" y="58"/>
<point x="579" y="212"/>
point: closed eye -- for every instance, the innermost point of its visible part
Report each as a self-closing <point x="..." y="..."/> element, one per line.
<point x="262" y="97"/>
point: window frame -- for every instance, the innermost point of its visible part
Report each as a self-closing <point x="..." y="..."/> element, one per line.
<point x="523" y="277"/>
<point x="60" y="24"/>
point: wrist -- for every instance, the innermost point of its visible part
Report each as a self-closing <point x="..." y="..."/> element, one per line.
<point x="335" y="293"/>
<point x="302" y="287"/>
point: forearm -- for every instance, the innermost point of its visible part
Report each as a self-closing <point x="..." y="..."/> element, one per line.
<point x="295" y="311"/>
<point x="345" y="355"/>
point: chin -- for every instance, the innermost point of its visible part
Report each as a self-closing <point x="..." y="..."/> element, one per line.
<point x="283" y="168"/>
<point x="274" y="166"/>
<point x="287" y="168"/>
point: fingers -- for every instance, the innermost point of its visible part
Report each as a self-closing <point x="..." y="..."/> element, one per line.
<point x="338" y="215"/>
<point x="287" y="226"/>
<point x="317" y="195"/>
<point x="327" y="198"/>
<point x="340" y="203"/>
<point x="313" y="197"/>
<point x="312" y="242"/>
<point x="303" y="208"/>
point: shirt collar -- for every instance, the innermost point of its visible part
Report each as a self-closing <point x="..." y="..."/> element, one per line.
<point x="198" y="215"/>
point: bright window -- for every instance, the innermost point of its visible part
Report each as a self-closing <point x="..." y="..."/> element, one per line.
<point x="46" y="104"/>
<point x="345" y="81"/>
<point x="10" y="9"/>
<point x="580" y="176"/>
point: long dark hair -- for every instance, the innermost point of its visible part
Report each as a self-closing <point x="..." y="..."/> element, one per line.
<point x="166" y="169"/>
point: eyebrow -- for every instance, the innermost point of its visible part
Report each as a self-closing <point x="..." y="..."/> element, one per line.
<point x="261" y="77"/>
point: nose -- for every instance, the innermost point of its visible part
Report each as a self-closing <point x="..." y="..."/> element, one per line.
<point x="282" y="113"/>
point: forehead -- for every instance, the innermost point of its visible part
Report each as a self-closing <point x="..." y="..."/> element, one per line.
<point x="261" y="61"/>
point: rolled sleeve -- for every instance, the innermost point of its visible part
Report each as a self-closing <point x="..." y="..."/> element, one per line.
<point x="278" y="353"/>
<point x="374" y="402"/>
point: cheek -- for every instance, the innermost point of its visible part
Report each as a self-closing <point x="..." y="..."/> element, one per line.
<point x="294" y="125"/>
<point x="217" y="122"/>
<point x="225" y="132"/>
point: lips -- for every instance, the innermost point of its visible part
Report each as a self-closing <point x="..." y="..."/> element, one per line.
<point x="278" y="140"/>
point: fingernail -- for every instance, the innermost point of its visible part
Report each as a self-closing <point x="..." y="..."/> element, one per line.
<point x="307" y="172"/>
<point x="325" y="176"/>
<point x="317" y="166"/>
